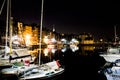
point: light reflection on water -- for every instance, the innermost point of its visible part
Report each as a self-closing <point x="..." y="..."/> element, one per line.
<point x="88" y="48"/>
<point x="84" y="49"/>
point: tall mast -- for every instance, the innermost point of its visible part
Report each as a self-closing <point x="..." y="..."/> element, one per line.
<point x="41" y="31"/>
<point x="8" y="24"/>
<point x="11" y="21"/>
<point x="7" y="20"/>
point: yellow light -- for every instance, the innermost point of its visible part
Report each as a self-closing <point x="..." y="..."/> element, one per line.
<point x="27" y="39"/>
<point x="27" y="36"/>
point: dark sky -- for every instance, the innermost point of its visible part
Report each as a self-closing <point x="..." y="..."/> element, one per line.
<point x="70" y="16"/>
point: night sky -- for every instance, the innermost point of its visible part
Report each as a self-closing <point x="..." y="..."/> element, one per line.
<point x="70" y="16"/>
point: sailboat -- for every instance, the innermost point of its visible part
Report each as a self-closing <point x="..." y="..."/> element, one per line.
<point x="4" y="61"/>
<point x="10" y="55"/>
<point x="46" y="70"/>
<point x="113" y="53"/>
<point x="111" y="70"/>
<point x="36" y="71"/>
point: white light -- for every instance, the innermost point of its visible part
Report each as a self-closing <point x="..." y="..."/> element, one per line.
<point x="46" y="52"/>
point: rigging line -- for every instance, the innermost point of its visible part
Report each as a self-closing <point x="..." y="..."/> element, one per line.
<point x="2" y="7"/>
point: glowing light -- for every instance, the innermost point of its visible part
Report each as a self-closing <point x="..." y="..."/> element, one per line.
<point x="46" y="52"/>
<point x="64" y="41"/>
<point x="46" y="40"/>
<point x="53" y="40"/>
<point x="27" y="39"/>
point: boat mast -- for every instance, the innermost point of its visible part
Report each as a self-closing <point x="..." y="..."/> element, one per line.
<point x="11" y="22"/>
<point x="7" y="20"/>
<point x="115" y="34"/>
<point x="8" y="24"/>
<point x="41" y="32"/>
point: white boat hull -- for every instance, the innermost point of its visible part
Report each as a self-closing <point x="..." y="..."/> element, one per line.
<point x="113" y="73"/>
<point x="110" y="57"/>
<point x="44" y="71"/>
<point x="16" y="70"/>
<point x="112" y="77"/>
<point x="42" y="75"/>
<point x="33" y="71"/>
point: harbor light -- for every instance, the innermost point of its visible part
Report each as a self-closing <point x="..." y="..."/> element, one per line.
<point x="27" y="39"/>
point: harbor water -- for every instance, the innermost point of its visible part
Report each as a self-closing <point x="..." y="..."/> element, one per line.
<point x="83" y="64"/>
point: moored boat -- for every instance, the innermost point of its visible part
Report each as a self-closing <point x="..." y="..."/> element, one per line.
<point x="112" y="54"/>
<point x="43" y="71"/>
<point x="34" y="71"/>
<point x="112" y="71"/>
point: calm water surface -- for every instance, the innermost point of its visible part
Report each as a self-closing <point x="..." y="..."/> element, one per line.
<point x="76" y="67"/>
